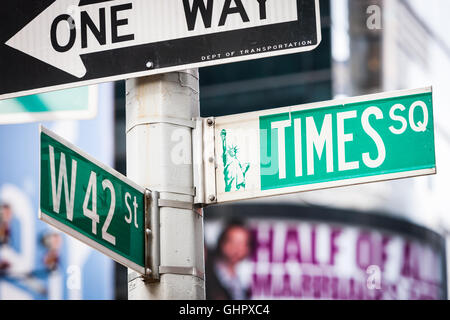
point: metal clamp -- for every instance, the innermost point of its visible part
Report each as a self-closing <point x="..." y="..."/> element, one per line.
<point x="153" y="269"/>
<point x="168" y="120"/>
<point x="204" y="161"/>
<point x="152" y="236"/>
<point x="175" y="204"/>
<point x="186" y="271"/>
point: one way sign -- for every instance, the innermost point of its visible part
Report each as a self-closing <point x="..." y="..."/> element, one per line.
<point x="49" y="45"/>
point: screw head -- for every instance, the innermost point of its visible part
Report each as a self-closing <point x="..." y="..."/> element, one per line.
<point x="211" y="159"/>
<point x="148" y="231"/>
<point x="149" y="65"/>
<point x="212" y="198"/>
<point x="210" y="122"/>
<point x="148" y="271"/>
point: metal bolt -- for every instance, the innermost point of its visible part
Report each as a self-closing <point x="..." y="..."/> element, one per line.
<point x="149" y="65"/>
<point x="148" y="231"/>
<point x="210" y="122"/>
<point x="148" y="271"/>
<point x="211" y="159"/>
<point x="212" y="198"/>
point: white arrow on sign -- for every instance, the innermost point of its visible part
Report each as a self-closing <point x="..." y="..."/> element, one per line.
<point x="65" y="31"/>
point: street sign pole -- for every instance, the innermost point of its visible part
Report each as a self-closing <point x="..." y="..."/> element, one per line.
<point x="159" y="116"/>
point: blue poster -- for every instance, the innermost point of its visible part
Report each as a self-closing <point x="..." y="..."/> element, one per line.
<point x="36" y="260"/>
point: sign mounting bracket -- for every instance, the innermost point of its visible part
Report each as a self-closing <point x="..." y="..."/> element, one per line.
<point x="152" y="236"/>
<point x="205" y="162"/>
<point x="153" y="270"/>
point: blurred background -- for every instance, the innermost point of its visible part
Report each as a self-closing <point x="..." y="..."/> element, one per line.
<point x="377" y="241"/>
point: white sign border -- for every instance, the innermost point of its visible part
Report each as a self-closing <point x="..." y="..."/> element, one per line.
<point x="224" y="197"/>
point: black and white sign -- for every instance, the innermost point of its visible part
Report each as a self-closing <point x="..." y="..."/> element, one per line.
<point x="49" y="45"/>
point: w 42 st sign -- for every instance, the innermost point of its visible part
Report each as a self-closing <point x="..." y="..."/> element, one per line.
<point x="48" y="45"/>
<point x="91" y="202"/>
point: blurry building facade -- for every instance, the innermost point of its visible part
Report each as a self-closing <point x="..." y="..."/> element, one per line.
<point x="375" y="241"/>
<point x="365" y="59"/>
<point x="412" y="50"/>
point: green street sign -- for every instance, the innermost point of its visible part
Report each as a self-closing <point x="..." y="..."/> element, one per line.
<point x="323" y="145"/>
<point x="69" y="104"/>
<point x="93" y="203"/>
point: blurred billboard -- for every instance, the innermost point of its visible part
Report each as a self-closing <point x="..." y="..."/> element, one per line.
<point x="295" y="252"/>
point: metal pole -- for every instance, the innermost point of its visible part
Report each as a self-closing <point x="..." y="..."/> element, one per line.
<point x="160" y="111"/>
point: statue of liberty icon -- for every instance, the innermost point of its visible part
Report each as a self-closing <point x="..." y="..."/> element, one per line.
<point x="233" y="170"/>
